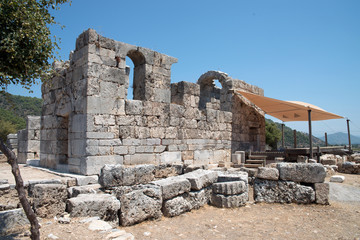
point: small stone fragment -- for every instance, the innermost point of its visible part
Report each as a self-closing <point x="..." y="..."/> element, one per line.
<point x="337" y="178"/>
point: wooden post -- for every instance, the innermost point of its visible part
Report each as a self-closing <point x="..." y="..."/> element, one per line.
<point x="295" y="143"/>
<point x="326" y="142"/>
<point x="310" y="134"/>
<point x="348" y="128"/>
<point x="318" y="154"/>
<point x="282" y="136"/>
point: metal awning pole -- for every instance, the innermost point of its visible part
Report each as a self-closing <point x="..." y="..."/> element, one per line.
<point x="310" y="134"/>
<point x="348" y="128"/>
<point x="282" y="136"/>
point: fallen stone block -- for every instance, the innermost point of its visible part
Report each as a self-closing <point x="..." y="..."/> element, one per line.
<point x="337" y="178"/>
<point x="251" y="171"/>
<point x="90" y="205"/>
<point x="229" y="188"/>
<point x="230" y="201"/>
<point x="282" y="192"/>
<point x="13" y="221"/>
<point x="192" y="168"/>
<point x="33" y="183"/>
<point x="176" y="206"/>
<point x="322" y="191"/>
<point x="49" y="200"/>
<point x="328" y="161"/>
<point x="268" y="173"/>
<point x="199" y="198"/>
<point x="173" y="186"/>
<point x="349" y="167"/>
<point x="302" y="172"/>
<point x="201" y="178"/>
<point x="140" y="204"/>
<point x="168" y="170"/>
<point x="118" y="175"/>
<point x="87" y="189"/>
<point x="86" y="180"/>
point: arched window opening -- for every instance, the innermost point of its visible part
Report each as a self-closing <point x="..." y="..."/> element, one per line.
<point x="135" y="62"/>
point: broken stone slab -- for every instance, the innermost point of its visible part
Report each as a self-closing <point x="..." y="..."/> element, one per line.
<point x="229" y="188"/>
<point x="99" y="225"/>
<point x="230" y="201"/>
<point x="199" y="198"/>
<point x="349" y="167"/>
<point x="12" y="221"/>
<point x="268" y="173"/>
<point x="173" y="186"/>
<point x="4" y="187"/>
<point x="176" y="206"/>
<point x="251" y="171"/>
<point x="337" y="178"/>
<point x="140" y="204"/>
<point x="192" y="168"/>
<point x="231" y="176"/>
<point x="282" y="192"/>
<point x="4" y="181"/>
<point x="90" y="205"/>
<point x="168" y="170"/>
<point x="322" y="191"/>
<point x="118" y="175"/>
<point x="49" y="200"/>
<point x="87" y="189"/>
<point x="302" y="172"/>
<point x="201" y="178"/>
<point x="86" y="180"/>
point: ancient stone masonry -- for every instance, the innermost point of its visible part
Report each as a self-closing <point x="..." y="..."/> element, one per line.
<point x="87" y="120"/>
<point x="29" y="140"/>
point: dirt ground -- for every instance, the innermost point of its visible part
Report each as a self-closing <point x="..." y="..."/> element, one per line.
<point x="339" y="220"/>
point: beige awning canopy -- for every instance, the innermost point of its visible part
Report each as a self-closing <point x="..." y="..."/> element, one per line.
<point x="288" y="111"/>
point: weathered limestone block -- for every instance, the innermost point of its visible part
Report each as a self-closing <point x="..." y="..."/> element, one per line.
<point x="49" y="199"/>
<point x="230" y="176"/>
<point x="12" y="221"/>
<point x="201" y="178"/>
<point x="229" y="201"/>
<point x="229" y="188"/>
<point x="176" y="206"/>
<point x="133" y="107"/>
<point x="141" y="204"/>
<point x="199" y="198"/>
<point x="328" y="161"/>
<point x="168" y="170"/>
<point x="282" y="192"/>
<point x="349" y="167"/>
<point x="302" y="172"/>
<point x="88" y="189"/>
<point x="268" y="173"/>
<point x="193" y="167"/>
<point x="337" y="178"/>
<point x="322" y="191"/>
<point x="104" y="206"/>
<point x="118" y="175"/>
<point x="173" y="186"/>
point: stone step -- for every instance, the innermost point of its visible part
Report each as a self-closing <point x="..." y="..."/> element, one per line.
<point x="255" y="161"/>
<point x="252" y="165"/>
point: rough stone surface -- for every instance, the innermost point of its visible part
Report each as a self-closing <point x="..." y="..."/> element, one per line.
<point x="230" y="201"/>
<point x="349" y="167"/>
<point x="337" y="178"/>
<point x="173" y="186"/>
<point x="322" y="191"/>
<point x="201" y="178"/>
<point x="199" y="198"/>
<point x="89" y="189"/>
<point x="140" y="204"/>
<point x="229" y="188"/>
<point x="49" y="200"/>
<point x="268" y="173"/>
<point x="118" y="175"/>
<point x="99" y="225"/>
<point x="168" y="170"/>
<point x="282" y="192"/>
<point x="233" y="176"/>
<point x="13" y="221"/>
<point x="176" y="206"/>
<point x="302" y="172"/>
<point x="90" y="205"/>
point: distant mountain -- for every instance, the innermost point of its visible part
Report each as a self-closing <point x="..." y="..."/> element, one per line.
<point x="341" y="139"/>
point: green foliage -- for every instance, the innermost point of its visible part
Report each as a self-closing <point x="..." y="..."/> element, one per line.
<point x="6" y="128"/>
<point x="302" y="139"/>
<point x="13" y="111"/>
<point x="26" y="44"/>
<point x="273" y="134"/>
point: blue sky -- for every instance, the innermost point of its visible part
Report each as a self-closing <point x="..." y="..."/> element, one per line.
<point x="301" y="50"/>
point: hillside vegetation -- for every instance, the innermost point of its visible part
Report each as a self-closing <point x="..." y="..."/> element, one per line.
<point x="13" y="111"/>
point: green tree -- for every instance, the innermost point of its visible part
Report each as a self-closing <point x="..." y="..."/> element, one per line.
<point x="6" y="128"/>
<point x="273" y="134"/>
<point x="26" y="49"/>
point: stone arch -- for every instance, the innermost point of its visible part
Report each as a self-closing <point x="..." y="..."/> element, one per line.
<point x="210" y="95"/>
<point x="138" y="80"/>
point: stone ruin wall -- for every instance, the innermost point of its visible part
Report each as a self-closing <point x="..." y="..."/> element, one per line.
<point x="87" y="120"/>
<point x="29" y="140"/>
